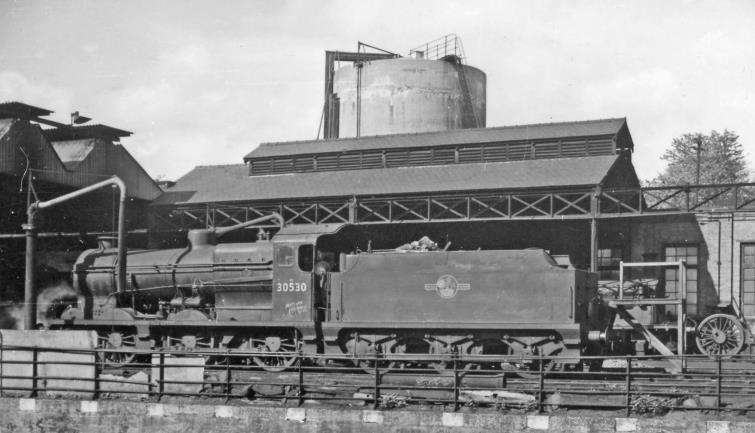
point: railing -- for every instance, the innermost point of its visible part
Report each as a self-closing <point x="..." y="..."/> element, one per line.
<point x="636" y="384"/>
<point x="448" y="45"/>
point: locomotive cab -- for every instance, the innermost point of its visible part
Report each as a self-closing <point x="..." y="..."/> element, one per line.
<point x="305" y="257"/>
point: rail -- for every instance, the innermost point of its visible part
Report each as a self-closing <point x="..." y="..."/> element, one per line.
<point x="631" y="383"/>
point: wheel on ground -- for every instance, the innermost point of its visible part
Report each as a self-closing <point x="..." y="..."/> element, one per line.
<point x="481" y="349"/>
<point x="111" y="344"/>
<point x="720" y="334"/>
<point x="116" y="344"/>
<point x="279" y="353"/>
<point x="367" y="355"/>
<point x="529" y="368"/>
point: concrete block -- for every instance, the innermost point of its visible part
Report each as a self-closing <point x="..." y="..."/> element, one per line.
<point x="155" y="409"/>
<point x="538" y="422"/>
<point x="89" y="406"/>
<point x="298" y="414"/>
<point x="512" y="423"/>
<point x="73" y="370"/>
<point x="27" y="404"/>
<point x="742" y="427"/>
<point x="626" y="424"/>
<point x="133" y="387"/>
<point x="184" y="368"/>
<point x="223" y="412"/>
<point x="452" y="419"/>
<point x="718" y="427"/>
<point x="372" y="417"/>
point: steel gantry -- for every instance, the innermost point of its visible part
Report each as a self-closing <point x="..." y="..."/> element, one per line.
<point x="470" y="206"/>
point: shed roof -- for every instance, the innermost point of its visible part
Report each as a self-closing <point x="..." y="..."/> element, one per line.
<point x="76" y="163"/>
<point x="230" y="183"/>
<point x="535" y="132"/>
<point x="83" y="132"/>
<point x="19" y="110"/>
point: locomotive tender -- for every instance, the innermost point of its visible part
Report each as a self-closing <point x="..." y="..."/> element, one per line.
<point x="311" y="289"/>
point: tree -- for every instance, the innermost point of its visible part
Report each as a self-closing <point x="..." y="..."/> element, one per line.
<point x="720" y="157"/>
<point x="697" y="159"/>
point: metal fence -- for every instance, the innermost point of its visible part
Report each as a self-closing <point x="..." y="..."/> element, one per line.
<point x="633" y="384"/>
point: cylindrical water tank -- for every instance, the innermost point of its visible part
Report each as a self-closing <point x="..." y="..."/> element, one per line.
<point x="408" y="95"/>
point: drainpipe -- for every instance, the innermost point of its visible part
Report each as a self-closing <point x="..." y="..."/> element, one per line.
<point x="30" y="295"/>
<point x="731" y="269"/>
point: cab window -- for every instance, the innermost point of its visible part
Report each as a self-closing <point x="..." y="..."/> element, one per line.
<point x="284" y="255"/>
<point x="306" y="255"/>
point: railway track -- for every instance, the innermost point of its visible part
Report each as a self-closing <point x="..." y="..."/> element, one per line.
<point x="727" y="385"/>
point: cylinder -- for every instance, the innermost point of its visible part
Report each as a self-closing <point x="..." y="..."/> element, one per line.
<point x="408" y="95"/>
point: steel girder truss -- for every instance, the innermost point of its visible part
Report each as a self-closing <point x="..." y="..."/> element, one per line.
<point x="584" y="204"/>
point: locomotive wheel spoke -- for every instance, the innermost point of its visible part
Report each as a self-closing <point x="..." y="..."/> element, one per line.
<point x="720" y="335"/>
<point x="279" y="360"/>
<point x="112" y="341"/>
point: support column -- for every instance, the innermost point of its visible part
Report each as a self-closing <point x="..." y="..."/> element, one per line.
<point x="30" y="291"/>
<point x="353" y="210"/>
<point x="594" y="211"/>
<point x="594" y="245"/>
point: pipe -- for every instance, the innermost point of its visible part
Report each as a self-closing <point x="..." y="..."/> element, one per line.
<point x="30" y="312"/>
<point x="731" y="270"/>
<point x="220" y="231"/>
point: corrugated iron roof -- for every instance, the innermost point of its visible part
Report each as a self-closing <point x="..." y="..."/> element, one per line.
<point x="75" y="163"/>
<point x="82" y="132"/>
<point x="229" y="183"/>
<point x="535" y="132"/>
<point x="19" y="110"/>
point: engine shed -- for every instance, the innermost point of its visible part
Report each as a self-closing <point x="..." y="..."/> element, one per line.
<point x="569" y="188"/>
<point x="38" y="164"/>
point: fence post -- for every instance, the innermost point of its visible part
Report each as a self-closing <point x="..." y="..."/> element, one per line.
<point x="161" y="376"/>
<point x="300" y="391"/>
<point x="228" y="377"/>
<point x="541" y="384"/>
<point x="96" y="375"/>
<point x="1" y="365"/>
<point x="376" y="393"/>
<point x="34" y="372"/>
<point x="456" y="383"/>
<point x="628" y="385"/>
<point x="718" y="385"/>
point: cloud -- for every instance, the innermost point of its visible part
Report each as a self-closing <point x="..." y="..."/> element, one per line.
<point x="16" y="87"/>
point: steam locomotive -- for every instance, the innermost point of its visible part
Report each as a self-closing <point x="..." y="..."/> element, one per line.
<point x="311" y="289"/>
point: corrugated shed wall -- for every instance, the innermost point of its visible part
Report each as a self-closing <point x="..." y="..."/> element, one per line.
<point x="101" y="162"/>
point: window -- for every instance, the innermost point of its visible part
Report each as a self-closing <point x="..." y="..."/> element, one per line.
<point x="306" y="256"/>
<point x="284" y="255"/>
<point x="687" y="254"/>
<point x="608" y="263"/>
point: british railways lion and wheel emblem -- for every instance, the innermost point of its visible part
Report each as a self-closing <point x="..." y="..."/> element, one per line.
<point x="447" y="287"/>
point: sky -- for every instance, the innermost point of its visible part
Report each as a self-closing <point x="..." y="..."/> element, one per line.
<point x="204" y="82"/>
